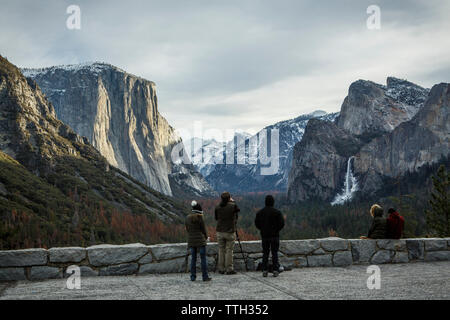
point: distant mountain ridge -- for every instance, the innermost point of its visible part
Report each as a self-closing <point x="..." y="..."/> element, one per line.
<point x="118" y="113"/>
<point x="202" y="153"/>
<point x="242" y="178"/>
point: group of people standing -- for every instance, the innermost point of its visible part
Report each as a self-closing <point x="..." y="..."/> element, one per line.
<point x="270" y="222"/>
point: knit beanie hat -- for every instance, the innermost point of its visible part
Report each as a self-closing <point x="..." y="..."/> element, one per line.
<point x="196" y="206"/>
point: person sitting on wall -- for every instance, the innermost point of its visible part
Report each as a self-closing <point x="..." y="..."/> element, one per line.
<point x="378" y="228"/>
<point x="197" y="236"/>
<point x="394" y="224"/>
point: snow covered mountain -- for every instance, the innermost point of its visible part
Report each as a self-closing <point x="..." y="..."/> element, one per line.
<point x="244" y="175"/>
<point x="204" y="154"/>
<point x="406" y="92"/>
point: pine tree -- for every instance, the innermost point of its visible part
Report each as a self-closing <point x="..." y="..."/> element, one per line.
<point x="438" y="217"/>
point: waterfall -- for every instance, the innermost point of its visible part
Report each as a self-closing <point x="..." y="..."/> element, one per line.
<point x="350" y="185"/>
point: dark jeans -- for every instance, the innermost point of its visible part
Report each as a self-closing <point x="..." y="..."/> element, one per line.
<point x="270" y="245"/>
<point x="202" y="251"/>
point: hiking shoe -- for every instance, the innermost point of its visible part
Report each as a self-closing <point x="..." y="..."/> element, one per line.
<point x="265" y="273"/>
<point x="232" y="272"/>
<point x="275" y="274"/>
<point x="192" y="278"/>
<point x="221" y="272"/>
<point x="207" y="279"/>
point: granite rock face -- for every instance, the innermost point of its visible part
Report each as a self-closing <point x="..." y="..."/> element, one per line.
<point x="33" y="136"/>
<point x="371" y="109"/>
<point x="319" y="161"/>
<point x="388" y="131"/>
<point x="423" y="140"/>
<point x="118" y="113"/>
<point x="30" y="130"/>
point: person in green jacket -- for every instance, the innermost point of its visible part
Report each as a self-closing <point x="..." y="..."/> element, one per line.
<point x="197" y="236"/>
<point x="378" y="228"/>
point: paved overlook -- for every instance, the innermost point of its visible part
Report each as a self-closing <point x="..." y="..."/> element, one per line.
<point x="420" y="280"/>
<point x="329" y="268"/>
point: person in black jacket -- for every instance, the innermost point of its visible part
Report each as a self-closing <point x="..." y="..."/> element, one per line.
<point x="270" y="221"/>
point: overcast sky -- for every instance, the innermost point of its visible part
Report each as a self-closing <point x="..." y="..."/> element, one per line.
<point x="237" y="64"/>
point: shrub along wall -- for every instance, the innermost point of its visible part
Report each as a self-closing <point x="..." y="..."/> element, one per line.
<point x="113" y="260"/>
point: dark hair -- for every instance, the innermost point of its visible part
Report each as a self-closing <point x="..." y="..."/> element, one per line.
<point x="391" y="210"/>
<point x="270" y="201"/>
<point x="378" y="212"/>
<point x="225" y="196"/>
<point x="197" y="207"/>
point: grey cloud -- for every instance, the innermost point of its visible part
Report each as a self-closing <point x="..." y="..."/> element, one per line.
<point x="199" y="51"/>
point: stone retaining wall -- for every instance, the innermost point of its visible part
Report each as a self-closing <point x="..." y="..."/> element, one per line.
<point x="113" y="260"/>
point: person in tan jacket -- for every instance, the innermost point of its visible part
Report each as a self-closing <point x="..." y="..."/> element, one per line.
<point x="226" y="214"/>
